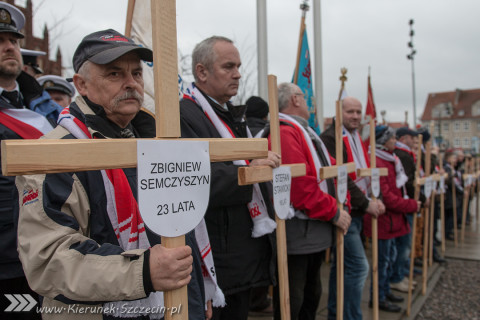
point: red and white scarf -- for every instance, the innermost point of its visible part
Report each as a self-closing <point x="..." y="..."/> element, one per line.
<point x="24" y="122"/>
<point x="129" y="228"/>
<point x="322" y="183"/>
<point x="401" y="177"/>
<point x="262" y="223"/>
<point x="358" y="154"/>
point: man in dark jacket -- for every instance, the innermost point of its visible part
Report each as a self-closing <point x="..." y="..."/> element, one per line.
<point x="24" y="114"/>
<point x="393" y="223"/>
<point x="403" y="150"/>
<point x="241" y="260"/>
<point x="356" y="264"/>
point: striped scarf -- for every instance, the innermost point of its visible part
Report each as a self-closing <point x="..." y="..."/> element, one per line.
<point x="129" y="228"/>
<point x="262" y="223"/>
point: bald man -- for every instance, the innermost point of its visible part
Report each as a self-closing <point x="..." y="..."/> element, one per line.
<point x="356" y="264"/>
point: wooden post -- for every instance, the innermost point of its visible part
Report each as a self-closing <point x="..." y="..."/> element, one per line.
<point x="304" y="8"/>
<point x="128" y="22"/>
<point x="414" y="228"/>
<point x="426" y="221"/>
<point x="373" y="164"/>
<point x="432" y="213"/>
<point x="282" y="258"/>
<point x="368" y="173"/>
<point x="442" y="208"/>
<point x="431" y="228"/>
<point x="249" y="175"/>
<point x="330" y="172"/>
<point x="466" y="187"/>
<point x="339" y="162"/>
<point x="167" y="108"/>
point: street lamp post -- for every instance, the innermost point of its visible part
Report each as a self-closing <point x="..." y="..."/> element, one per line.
<point x="411" y="57"/>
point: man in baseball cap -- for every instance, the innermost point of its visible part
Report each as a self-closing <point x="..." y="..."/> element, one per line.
<point x="103" y="47"/>
<point x="113" y="259"/>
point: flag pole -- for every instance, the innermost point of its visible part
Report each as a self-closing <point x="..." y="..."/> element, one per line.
<point x="128" y="23"/>
<point x="304" y="7"/>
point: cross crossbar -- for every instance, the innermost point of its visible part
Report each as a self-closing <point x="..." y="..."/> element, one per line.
<point x="20" y="157"/>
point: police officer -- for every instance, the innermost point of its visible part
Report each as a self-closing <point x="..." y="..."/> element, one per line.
<point x="30" y="63"/>
<point x="59" y="89"/>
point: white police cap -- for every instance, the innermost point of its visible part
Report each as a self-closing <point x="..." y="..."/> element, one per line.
<point x="11" y="19"/>
<point x="51" y="82"/>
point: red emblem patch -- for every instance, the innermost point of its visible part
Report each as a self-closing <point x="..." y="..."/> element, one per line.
<point x="30" y="196"/>
<point x="114" y="38"/>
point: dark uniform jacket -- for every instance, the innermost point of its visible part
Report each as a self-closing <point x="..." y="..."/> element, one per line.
<point x="38" y="100"/>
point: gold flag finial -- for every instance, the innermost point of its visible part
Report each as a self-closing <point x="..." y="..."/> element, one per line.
<point x="342" y="78"/>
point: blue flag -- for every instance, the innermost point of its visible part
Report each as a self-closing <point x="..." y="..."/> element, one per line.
<point x="305" y="81"/>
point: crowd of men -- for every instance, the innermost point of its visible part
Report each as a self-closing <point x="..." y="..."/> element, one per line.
<point x="77" y="238"/>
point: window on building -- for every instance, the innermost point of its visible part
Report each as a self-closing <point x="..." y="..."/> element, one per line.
<point x="466" y="142"/>
<point x="466" y="126"/>
<point x="443" y="110"/>
<point x="456" y="126"/>
<point x="456" y="143"/>
<point x="446" y="126"/>
<point x="461" y="113"/>
<point x="476" y="108"/>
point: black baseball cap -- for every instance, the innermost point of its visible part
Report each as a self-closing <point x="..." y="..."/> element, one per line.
<point x="103" y="47"/>
<point x="11" y="19"/>
<point x="403" y="131"/>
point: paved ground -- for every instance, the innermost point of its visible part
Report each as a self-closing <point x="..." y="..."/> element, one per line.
<point x="456" y="294"/>
<point x="453" y="289"/>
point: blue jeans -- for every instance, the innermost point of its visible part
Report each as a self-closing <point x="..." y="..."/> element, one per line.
<point x="384" y="262"/>
<point x="400" y="257"/>
<point x="355" y="274"/>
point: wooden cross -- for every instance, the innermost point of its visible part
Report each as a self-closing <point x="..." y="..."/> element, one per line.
<point x="434" y="177"/>
<point x="21" y="157"/>
<point x="454" y="203"/>
<point x="249" y="175"/>
<point x="467" y="183"/>
<point x="368" y="172"/>
<point x="428" y="154"/>
<point x="331" y="172"/>
<point x="442" y="205"/>
<point x="416" y="196"/>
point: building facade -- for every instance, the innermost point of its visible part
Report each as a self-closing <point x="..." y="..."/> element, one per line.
<point x="456" y="116"/>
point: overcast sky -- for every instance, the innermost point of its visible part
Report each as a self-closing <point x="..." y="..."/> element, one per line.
<point x="355" y="34"/>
